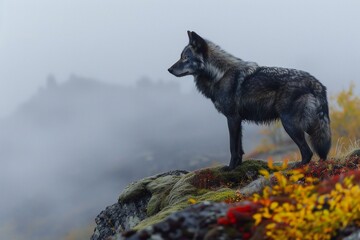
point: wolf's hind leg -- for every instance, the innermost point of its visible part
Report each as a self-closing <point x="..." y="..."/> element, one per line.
<point x="298" y="136"/>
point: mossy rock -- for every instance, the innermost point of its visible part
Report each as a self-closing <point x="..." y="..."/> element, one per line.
<point x="245" y="173"/>
<point x="218" y="176"/>
<point x="161" y="215"/>
<point x="215" y="196"/>
<point x="150" y="185"/>
<point x="171" y="193"/>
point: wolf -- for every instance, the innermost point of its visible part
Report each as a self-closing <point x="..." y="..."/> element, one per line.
<point x="245" y="91"/>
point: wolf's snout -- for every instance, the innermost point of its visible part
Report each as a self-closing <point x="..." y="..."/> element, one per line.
<point x="171" y="70"/>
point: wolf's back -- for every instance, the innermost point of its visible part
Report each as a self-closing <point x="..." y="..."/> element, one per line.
<point x="304" y="97"/>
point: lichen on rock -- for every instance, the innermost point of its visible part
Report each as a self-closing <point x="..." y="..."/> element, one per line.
<point x="170" y="192"/>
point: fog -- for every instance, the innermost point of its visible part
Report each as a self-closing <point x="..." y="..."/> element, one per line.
<point x="69" y="151"/>
<point x="120" y="41"/>
<point x="87" y="105"/>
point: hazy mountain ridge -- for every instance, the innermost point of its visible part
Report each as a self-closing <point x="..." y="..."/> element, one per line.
<point x="81" y="137"/>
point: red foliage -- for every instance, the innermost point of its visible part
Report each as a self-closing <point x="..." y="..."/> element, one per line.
<point x="329" y="184"/>
<point x="330" y="172"/>
<point x="205" y="178"/>
<point x="329" y="168"/>
<point x="240" y="217"/>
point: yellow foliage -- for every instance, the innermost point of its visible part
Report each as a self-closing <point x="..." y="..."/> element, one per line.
<point x="345" y="115"/>
<point x="306" y="214"/>
<point x="192" y="201"/>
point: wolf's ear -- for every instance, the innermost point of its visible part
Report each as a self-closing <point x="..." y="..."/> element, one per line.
<point x="190" y="36"/>
<point x="196" y="41"/>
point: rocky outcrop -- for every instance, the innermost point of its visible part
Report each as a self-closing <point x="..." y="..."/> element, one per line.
<point x="195" y="222"/>
<point x="132" y="206"/>
<point x="155" y="205"/>
<point x="119" y="217"/>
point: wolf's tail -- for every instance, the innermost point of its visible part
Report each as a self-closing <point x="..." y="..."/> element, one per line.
<point x="320" y="136"/>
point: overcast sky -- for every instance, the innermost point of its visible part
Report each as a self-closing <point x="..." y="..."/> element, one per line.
<point x="121" y="41"/>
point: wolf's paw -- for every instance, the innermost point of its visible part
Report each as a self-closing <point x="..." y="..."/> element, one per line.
<point x="234" y="163"/>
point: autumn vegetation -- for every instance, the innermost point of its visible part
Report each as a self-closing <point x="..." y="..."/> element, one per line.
<point x="317" y="201"/>
<point x="345" y="119"/>
<point x="299" y="206"/>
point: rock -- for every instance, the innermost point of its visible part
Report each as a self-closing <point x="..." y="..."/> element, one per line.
<point x="132" y="206"/>
<point x="150" y="185"/>
<point x="119" y="217"/>
<point x="146" y="203"/>
<point x="353" y="236"/>
<point x="195" y="222"/>
<point x="254" y="187"/>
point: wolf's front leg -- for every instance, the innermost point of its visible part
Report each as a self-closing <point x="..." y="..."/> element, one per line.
<point x="236" y="149"/>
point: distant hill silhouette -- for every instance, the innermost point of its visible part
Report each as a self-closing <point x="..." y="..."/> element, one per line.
<point x="65" y="150"/>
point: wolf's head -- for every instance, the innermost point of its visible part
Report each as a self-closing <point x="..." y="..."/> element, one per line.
<point x="191" y="61"/>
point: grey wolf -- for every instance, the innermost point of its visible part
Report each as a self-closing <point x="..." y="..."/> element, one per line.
<point x="245" y="91"/>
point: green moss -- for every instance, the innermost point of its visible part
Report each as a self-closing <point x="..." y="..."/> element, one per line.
<point x="202" y="191"/>
<point x="170" y="194"/>
<point x="217" y="196"/>
<point x="161" y="215"/>
<point x="134" y="191"/>
<point x="163" y="203"/>
<point x="243" y="174"/>
<point x="156" y="202"/>
<point x="181" y="191"/>
<point x="216" y="177"/>
<point x="160" y="189"/>
<point x="214" y="196"/>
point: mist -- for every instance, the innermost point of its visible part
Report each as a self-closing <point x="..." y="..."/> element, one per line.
<point x="121" y="41"/>
<point x="87" y="104"/>
<point x="70" y="150"/>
